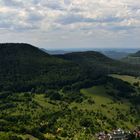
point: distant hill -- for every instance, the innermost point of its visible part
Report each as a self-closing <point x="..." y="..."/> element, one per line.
<point x="115" y="54"/>
<point x="133" y="58"/>
<point x="52" y="52"/>
<point x="87" y="56"/>
<point x="23" y="66"/>
<point x="137" y="54"/>
<point x="98" y="61"/>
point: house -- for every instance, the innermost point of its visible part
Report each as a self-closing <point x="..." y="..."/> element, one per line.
<point x="103" y="136"/>
<point x="136" y="133"/>
<point x="119" y="134"/>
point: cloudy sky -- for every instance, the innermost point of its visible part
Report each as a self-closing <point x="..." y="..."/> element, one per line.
<point x="71" y="23"/>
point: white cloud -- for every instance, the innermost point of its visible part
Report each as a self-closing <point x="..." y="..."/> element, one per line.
<point x="71" y="11"/>
<point x="59" y="16"/>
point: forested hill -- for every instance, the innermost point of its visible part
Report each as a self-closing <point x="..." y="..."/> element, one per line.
<point x="137" y="54"/>
<point x="24" y="67"/>
<point x="88" y="56"/>
<point x="133" y="58"/>
<point x="20" y="50"/>
<point x="96" y="60"/>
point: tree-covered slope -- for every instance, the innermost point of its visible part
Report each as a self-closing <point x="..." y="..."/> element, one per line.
<point x="23" y="67"/>
<point x="63" y="97"/>
<point x="137" y="54"/>
<point x="87" y="56"/>
<point x="117" y="55"/>
<point x="133" y="58"/>
<point x="95" y="60"/>
<point x="69" y="114"/>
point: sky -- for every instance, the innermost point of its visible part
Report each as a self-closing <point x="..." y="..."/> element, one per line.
<point x="64" y="24"/>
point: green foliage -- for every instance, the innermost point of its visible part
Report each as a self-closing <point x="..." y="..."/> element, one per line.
<point x="42" y="96"/>
<point x="86" y="122"/>
<point x="133" y="58"/>
<point x="53" y="95"/>
<point x="26" y="68"/>
<point x="124" y="88"/>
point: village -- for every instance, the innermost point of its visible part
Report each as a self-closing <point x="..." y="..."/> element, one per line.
<point x="119" y="134"/>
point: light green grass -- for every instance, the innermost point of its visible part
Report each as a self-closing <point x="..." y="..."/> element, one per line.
<point x="130" y="79"/>
<point x="44" y="102"/>
<point x="27" y="136"/>
<point x="5" y="136"/>
<point x="99" y="95"/>
<point x="104" y="104"/>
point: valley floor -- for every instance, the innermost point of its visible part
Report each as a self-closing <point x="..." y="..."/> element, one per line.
<point x="31" y="116"/>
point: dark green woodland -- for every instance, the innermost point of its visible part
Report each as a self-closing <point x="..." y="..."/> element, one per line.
<point x="70" y="96"/>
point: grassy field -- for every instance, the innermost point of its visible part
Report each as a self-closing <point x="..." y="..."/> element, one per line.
<point x="62" y="120"/>
<point x="108" y="105"/>
<point x="130" y="79"/>
<point x="5" y="136"/>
